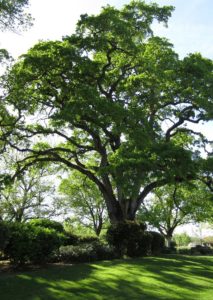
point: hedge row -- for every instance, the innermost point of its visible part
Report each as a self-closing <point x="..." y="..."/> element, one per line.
<point x="40" y="241"/>
<point x="28" y="242"/>
<point x="86" y="252"/>
<point x="132" y="239"/>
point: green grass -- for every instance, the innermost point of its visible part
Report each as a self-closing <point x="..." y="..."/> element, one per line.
<point x="151" y="278"/>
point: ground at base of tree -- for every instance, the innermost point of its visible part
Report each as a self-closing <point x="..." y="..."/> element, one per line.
<point x="151" y="278"/>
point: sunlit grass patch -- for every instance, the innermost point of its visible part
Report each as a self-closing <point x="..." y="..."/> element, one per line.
<point x="151" y="278"/>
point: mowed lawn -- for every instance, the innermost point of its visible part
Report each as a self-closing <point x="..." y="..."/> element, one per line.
<point x="153" y="278"/>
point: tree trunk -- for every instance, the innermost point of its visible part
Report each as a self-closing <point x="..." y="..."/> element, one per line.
<point x="98" y="226"/>
<point x="168" y="241"/>
<point x="121" y="211"/>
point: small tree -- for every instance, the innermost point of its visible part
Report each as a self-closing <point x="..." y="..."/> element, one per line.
<point x="175" y="205"/>
<point x="81" y="198"/>
<point x="208" y="240"/>
<point x="27" y="197"/>
<point x="182" y="239"/>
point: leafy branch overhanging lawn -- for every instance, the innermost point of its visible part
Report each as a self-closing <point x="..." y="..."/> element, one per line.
<point x="150" y="278"/>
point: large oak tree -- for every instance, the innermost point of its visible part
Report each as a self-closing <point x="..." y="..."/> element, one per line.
<point x="112" y="101"/>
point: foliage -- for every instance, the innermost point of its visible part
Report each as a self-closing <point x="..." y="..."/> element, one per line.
<point x="157" y="243"/>
<point x="208" y="240"/>
<point x="182" y="239"/>
<point x="27" y="197"/>
<point x="196" y="240"/>
<point x="20" y="243"/>
<point x="46" y="223"/>
<point x="106" y="94"/>
<point x="88" y="239"/>
<point x="13" y="15"/>
<point x="70" y="239"/>
<point x="86" y="252"/>
<point x="74" y="239"/>
<point x="203" y="250"/>
<point x="81" y="197"/>
<point x="184" y="250"/>
<point x="28" y="243"/>
<point x="4" y="235"/>
<point x="4" y="56"/>
<point x="77" y="228"/>
<point x="175" y="205"/>
<point x="129" y="238"/>
<point x="45" y="241"/>
<point x="83" y="253"/>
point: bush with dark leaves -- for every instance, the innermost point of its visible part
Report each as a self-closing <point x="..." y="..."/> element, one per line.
<point x="29" y="243"/>
<point x="129" y="238"/>
<point x="86" y="252"/>
<point x="157" y="243"/>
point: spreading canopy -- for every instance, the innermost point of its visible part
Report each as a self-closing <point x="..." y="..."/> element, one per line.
<point x="112" y="101"/>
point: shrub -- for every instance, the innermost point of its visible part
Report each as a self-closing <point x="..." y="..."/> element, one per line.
<point x="204" y="250"/>
<point x="19" y="245"/>
<point x="79" y="253"/>
<point x="157" y="243"/>
<point x="86" y="252"/>
<point x="129" y="238"/>
<point x="4" y="235"/>
<point x="88" y="239"/>
<point x="104" y="251"/>
<point x="184" y="250"/>
<point x="44" y="242"/>
<point x="167" y="250"/>
<point x="173" y="246"/>
<point x="140" y="246"/>
<point x="70" y="239"/>
<point x="31" y="243"/>
<point x="46" y="223"/>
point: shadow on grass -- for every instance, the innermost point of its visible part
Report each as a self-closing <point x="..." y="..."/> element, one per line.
<point x="152" y="278"/>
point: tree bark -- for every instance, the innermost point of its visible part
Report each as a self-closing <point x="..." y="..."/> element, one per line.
<point x="120" y="211"/>
<point x="168" y="241"/>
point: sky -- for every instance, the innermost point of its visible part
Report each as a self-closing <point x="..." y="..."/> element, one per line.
<point x="190" y="29"/>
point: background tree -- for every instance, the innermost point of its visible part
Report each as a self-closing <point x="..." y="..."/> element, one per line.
<point x="83" y="201"/>
<point x="114" y="92"/>
<point x="208" y="240"/>
<point x="182" y="239"/>
<point x="13" y="15"/>
<point x="172" y="206"/>
<point x="29" y="197"/>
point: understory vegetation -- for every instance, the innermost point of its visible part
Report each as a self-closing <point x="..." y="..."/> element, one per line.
<point x="44" y="241"/>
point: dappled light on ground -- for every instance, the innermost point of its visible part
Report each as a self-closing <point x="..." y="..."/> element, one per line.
<point x="152" y="278"/>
